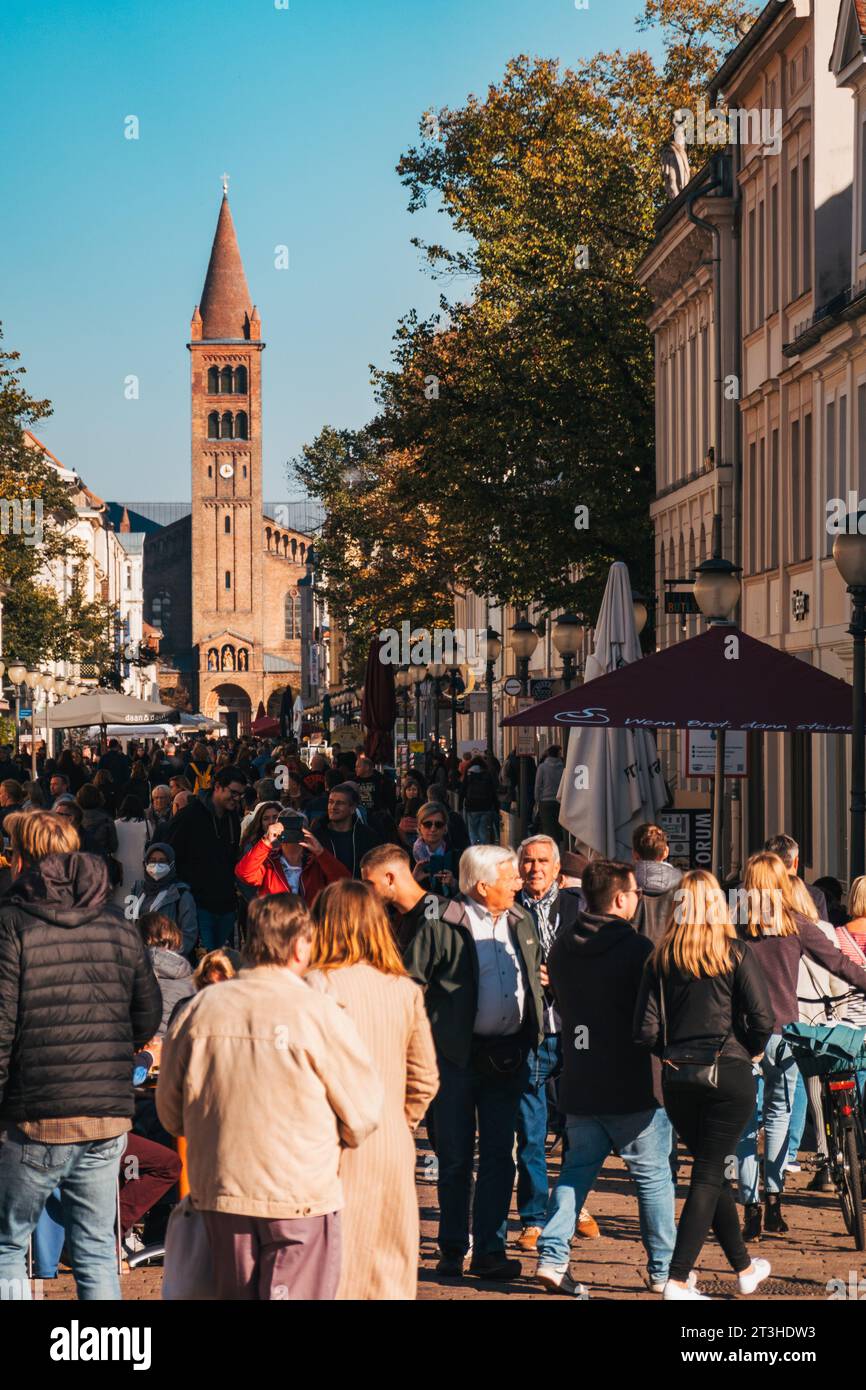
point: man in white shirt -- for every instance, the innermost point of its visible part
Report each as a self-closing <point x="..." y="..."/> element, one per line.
<point x="479" y="961"/>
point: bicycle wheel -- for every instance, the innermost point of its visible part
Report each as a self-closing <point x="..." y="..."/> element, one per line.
<point x="851" y="1190"/>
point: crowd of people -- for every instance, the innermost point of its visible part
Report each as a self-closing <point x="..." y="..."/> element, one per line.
<point x="264" y="973"/>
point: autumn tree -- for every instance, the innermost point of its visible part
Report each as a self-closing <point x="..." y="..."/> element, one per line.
<point x="37" y="512"/>
<point x="516" y="427"/>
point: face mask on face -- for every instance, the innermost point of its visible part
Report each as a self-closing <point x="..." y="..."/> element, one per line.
<point x="158" y="871"/>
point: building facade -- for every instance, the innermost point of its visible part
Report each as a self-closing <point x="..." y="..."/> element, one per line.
<point x="794" y="432"/>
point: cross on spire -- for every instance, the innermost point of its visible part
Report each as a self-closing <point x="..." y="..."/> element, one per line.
<point x="225" y="179"/>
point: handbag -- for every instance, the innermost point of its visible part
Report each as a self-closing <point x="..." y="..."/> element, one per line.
<point x="685" y="1067"/>
<point x="188" y="1267"/>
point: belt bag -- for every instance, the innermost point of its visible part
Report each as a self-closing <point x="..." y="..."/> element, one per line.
<point x="499" y="1056"/>
<point x="685" y="1067"/>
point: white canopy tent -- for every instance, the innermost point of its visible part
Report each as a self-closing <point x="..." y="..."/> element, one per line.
<point x="104" y="707"/>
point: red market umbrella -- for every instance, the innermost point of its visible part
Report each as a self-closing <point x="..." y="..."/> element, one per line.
<point x="722" y="679"/>
<point x="263" y="726"/>
<point x="379" y="706"/>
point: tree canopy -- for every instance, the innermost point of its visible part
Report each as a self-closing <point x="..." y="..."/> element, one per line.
<point x="530" y="398"/>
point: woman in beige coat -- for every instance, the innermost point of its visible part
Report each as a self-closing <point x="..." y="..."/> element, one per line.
<point x="354" y="960"/>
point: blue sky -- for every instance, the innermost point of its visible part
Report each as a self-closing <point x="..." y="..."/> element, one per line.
<point x="105" y="240"/>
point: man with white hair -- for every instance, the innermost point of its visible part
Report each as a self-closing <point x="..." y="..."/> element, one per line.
<point x="480" y="964"/>
<point x="551" y="910"/>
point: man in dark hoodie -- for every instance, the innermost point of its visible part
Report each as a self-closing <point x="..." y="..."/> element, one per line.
<point x="608" y="1089"/>
<point x="205" y="837"/>
<point x="657" y="879"/>
<point x="77" y="998"/>
<point x="342" y="833"/>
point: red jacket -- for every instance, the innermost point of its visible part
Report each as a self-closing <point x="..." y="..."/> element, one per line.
<point x="261" y="868"/>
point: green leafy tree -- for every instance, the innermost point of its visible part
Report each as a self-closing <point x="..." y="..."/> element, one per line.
<point x="37" y="626"/>
<point x="533" y="400"/>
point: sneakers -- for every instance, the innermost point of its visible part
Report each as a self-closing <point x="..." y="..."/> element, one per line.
<point x="556" y="1279"/>
<point x="792" y="1166"/>
<point x="587" y="1226"/>
<point x="131" y="1244"/>
<point x="449" y="1266"/>
<point x="658" y="1285"/>
<point x="675" y="1293"/>
<point x="749" y="1281"/>
<point x="528" y="1238"/>
<point x="752" y="1221"/>
<point x="774" y="1222"/>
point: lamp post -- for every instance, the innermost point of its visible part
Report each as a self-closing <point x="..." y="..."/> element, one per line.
<point x="493" y="648"/>
<point x="418" y="675"/>
<point x="436" y="670"/>
<point x="524" y="640"/>
<point x="849" y="553"/>
<point x="453" y="677"/>
<point x="16" y="671"/>
<point x="717" y="592"/>
<point x="403" y="680"/>
<point x="567" y="636"/>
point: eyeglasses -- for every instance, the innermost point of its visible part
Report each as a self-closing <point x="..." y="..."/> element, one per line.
<point x="432" y="824"/>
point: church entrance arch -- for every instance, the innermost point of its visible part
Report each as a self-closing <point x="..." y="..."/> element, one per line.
<point x="231" y="705"/>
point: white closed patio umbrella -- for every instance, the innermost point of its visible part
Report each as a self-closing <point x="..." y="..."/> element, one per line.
<point x="612" y="781"/>
<point x="108" y="707"/>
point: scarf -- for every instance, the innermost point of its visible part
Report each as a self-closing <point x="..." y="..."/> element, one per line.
<point x="541" y="910"/>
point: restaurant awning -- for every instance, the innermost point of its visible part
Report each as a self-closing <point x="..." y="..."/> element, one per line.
<point x="721" y="679"/>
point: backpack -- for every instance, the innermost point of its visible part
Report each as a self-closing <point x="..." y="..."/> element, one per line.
<point x="202" y="778"/>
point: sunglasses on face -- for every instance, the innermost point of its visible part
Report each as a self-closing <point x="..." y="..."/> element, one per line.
<point x="432" y="825"/>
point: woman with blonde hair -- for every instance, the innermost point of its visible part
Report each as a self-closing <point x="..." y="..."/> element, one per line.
<point x="780" y="933"/>
<point x="703" y="1006"/>
<point x="355" y="960"/>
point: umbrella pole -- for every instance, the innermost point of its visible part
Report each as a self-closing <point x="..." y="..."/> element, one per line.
<point x="719" y="804"/>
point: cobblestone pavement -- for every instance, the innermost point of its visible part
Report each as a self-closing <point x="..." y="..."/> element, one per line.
<point x="816" y="1249"/>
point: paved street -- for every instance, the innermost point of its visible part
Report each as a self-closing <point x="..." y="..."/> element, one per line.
<point x="816" y="1250"/>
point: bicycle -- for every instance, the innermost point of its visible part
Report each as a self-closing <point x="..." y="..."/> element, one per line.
<point x="835" y="1053"/>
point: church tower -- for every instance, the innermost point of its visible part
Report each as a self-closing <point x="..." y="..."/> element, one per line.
<point x="227" y="562"/>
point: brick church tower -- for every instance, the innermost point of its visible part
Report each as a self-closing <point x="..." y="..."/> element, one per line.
<point x="227" y="560"/>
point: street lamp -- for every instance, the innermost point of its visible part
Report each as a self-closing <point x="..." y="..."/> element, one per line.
<point x="641" y="612"/>
<point x="493" y="649"/>
<point x="849" y="553"/>
<point x="436" y="671"/>
<point x="418" y="674"/>
<point x="16" y="672"/>
<point x="717" y="593"/>
<point x="402" y="680"/>
<point x="524" y="640"/>
<point x="567" y="636"/>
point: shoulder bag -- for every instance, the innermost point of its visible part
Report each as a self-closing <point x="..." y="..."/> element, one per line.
<point x="686" y="1067"/>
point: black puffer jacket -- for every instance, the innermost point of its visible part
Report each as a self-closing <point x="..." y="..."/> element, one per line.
<point x="77" y="994"/>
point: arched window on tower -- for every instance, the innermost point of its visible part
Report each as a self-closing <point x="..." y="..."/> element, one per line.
<point x="294" y="547"/>
<point x="227" y="427"/>
<point x="241" y="427"/>
<point x="213" y="380"/>
<point x="226" y="381"/>
<point x="241" y="380"/>
<point x="293" y="615"/>
<point x="213" y="425"/>
<point x="228" y="523"/>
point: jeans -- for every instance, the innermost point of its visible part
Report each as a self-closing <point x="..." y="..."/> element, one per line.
<point x="643" y="1142"/>
<point x="480" y="827"/>
<point x="548" y="819"/>
<point x="777" y="1076"/>
<point x="468" y="1100"/>
<point x="532" y="1125"/>
<point x="48" y="1238"/>
<point x="215" y="928"/>
<point x="799" y="1111"/>
<point x="86" y="1175"/>
<point x="710" y="1123"/>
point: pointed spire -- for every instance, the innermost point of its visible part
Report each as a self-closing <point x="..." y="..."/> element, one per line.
<point x="225" y="299"/>
<point x="125" y="524"/>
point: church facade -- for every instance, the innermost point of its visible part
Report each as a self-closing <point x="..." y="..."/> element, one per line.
<point x="221" y="582"/>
